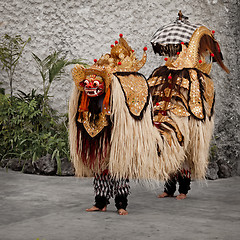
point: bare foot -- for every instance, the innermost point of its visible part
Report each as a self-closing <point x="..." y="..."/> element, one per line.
<point x="181" y="196"/>
<point x="122" y="212"/>
<point x="94" y="209"/>
<point x="163" y="195"/>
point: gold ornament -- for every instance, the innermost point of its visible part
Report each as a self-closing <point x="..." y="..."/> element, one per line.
<point x="121" y="59"/>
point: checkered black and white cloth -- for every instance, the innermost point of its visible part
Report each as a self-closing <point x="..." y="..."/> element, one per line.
<point x="107" y="186"/>
<point x="179" y="31"/>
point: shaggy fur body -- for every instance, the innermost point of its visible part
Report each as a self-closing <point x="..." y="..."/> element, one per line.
<point x="195" y="133"/>
<point x="197" y="137"/>
<point x="136" y="149"/>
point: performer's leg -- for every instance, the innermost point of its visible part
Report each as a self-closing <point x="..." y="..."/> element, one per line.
<point x="103" y="187"/>
<point x="121" y="190"/>
<point x="184" y="180"/>
<point x="169" y="188"/>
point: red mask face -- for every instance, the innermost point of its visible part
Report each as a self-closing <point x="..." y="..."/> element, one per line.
<point x="93" y="85"/>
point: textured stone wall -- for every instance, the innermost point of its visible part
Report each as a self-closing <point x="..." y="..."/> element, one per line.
<point x="87" y="28"/>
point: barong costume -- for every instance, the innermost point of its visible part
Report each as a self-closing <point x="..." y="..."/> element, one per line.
<point x="111" y="132"/>
<point x="183" y="95"/>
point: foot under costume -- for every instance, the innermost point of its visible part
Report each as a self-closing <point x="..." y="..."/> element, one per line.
<point x="106" y="187"/>
<point x="183" y="178"/>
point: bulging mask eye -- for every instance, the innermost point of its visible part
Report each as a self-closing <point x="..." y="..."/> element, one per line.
<point x="86" y="82"/>
<point x="96" y="83"/>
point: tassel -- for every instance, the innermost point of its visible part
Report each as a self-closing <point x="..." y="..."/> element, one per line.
<point x="84" y="103"/>
<point x="208" y="43"/>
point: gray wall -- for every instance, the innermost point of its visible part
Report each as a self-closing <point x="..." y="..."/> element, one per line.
<point x="86" y="29"/>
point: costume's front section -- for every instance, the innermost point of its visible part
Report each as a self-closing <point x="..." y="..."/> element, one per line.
<point x="183" y="92"/>
<point x="109" y="112"/>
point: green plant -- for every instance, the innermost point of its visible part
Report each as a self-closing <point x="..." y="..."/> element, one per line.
<point x="29" y="127"/>
<point x="51" y="69"/>
<point x="26" y="133"/>
<point x="11" y="49"/>
<point x="18" y="121"/>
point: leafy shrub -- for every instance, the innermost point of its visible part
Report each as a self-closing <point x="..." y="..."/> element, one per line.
<point x="26" y="133"/>
<point x="29" y="127"/>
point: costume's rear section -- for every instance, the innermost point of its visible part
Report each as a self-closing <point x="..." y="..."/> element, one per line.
<point x="183" y="92"/>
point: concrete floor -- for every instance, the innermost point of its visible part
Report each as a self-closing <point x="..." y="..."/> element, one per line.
<point x="53" y="208"/>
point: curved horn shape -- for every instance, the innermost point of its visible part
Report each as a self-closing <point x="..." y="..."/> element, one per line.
<point x="201" y="40"/>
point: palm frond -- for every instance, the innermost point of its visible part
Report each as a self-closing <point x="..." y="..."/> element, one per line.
<point x="20" y="44"/>
<point x="50" y="60"/>
<point x="57" y="69"/>
<point x="37" y="59"/>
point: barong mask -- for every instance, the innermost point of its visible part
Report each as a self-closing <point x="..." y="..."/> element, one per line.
<point x="93" y="85"/>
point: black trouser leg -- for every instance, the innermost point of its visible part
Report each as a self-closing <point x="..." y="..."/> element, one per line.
<point x="122" y="190"/>
<point x="103" y="187"/>
<point x="170" y="186"/>
<point x="101" y="201"/>
<point x="184" y="184"/>
<point x="121" y="202"/>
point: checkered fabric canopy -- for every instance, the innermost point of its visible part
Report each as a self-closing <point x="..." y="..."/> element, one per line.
<point x="167" y="39"/>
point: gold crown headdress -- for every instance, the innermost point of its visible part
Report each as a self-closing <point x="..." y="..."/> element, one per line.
<point x="121" y="59"/>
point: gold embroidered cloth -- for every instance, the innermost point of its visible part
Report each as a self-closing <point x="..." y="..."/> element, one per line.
<point x="136" y="92"/>
<point x="94" y="127"/>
